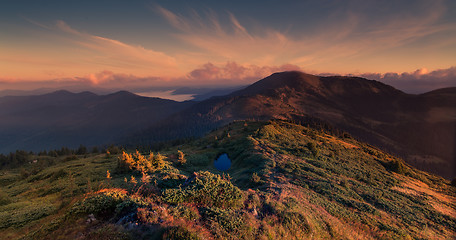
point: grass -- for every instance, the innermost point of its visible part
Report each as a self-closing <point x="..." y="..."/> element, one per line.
<point x="286" y="181"/>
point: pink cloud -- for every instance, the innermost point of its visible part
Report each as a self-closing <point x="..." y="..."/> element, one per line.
<point x="418" y="81"/>
<point x="234" y="72"/>
<point x="120" y="55"/>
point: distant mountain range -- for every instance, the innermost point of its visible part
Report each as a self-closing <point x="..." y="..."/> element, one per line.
<point x="68" y="119"/>
<point x="420" y="128"/>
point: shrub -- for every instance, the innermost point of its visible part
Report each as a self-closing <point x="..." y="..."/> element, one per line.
<point x="396" y="166"/>
<point x="294" y="221"/>
<point x="180" y="233"/>
<point x="61" y="173"/>
<point x="229" y="220"/>
<point x="313" y="148"/>
<point x="109" y="232"/>
<point x="19" y="214"/>
<point x="255" y="178"/>
<point x="112" y="201"/>
<point x="207" y="189"/>
<point x="186" y="212"/>
<point x="137" y="161"/>
<point x="70" y="158"/>
<point x="153" y="214"/>
<point x="4" y="198"/>
<point x="181" y="157"/>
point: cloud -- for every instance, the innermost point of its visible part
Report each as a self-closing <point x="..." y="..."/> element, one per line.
<point x="235" y="72"/>
<point x="120" y="55"/>
<point x="419" y="81"/>
<point x="209" y="74"/>
<point x="225" y="75"/>
<point x="350" y="32"/>
<point x="66" y="28"/>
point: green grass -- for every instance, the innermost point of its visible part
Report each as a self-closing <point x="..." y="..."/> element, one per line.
<point x="286" y="182"/>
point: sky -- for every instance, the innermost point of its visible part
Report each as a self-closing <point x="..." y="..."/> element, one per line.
<point x="151" y="44"/>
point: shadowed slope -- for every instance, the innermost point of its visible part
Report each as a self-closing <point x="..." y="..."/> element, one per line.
<point x="418" y="127"/>
<point x="68" y="119"/>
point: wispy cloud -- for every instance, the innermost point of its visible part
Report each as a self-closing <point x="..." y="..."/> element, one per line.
<point x="116" y="54"/>
<point x="348" y="33"/>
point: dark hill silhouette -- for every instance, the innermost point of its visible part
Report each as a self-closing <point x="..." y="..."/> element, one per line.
<point x="68" y="119"/>
<point x="420" y="128"/>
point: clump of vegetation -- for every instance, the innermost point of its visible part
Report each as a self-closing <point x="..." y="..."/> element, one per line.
<point x="19" y="214"/>
<point x="107" y="201"/>
<point x="180" y="233"/>
<point x="136" y="161"/>
<point x="313" y="148"/>
<point x="205" y="188"/>
<point x="230" y="221"/>
<point x="396" y="166"/>
<point x="255" y="178"/>
<point x="181" y="157"/>
<point x="308" y="184"/>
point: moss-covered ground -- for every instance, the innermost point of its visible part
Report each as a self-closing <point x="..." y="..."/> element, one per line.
<point x="286" y="181"/>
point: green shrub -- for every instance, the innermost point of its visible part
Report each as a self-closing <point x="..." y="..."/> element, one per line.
<point x="180" y="233"/>
<point x="313" y="148"/>
<point x="61" y="173"/>
<point x="207" y="189"/>
<point x="255" y="178"/>
<point x="4" y="198"/>
<point x="19" y="214"/>
<point x="294" y="221"/>
<point x="109" y="232"/>
<point x="185" y="212"/>
<point x="228" y="220"/>
<point x="111" y="201"/>
<point x="396" y="166"/>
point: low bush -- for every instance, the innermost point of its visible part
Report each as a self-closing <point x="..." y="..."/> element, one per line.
<point x="180" y="233"/>
<point x="228" y="220"/>
<point x="109" y="202"/>
<point x="137" y="161"/>
<point x="19" y="214"/>
<point x="207" y="189"/>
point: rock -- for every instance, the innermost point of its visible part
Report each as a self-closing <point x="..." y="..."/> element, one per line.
<point x="91" y="218"/>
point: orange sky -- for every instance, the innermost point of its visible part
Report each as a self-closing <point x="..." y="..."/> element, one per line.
<point x="218" y="42"/>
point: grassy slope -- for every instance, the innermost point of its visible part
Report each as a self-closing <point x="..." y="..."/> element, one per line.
<point x="286" y="181"/>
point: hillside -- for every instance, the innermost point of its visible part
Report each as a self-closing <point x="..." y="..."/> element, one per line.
<point x="420" y="128"/>
<point x="286" y="181"/>
<point x="62" y="118"/>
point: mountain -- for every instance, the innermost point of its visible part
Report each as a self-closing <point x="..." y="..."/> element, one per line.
<point x="65" y="119"/>
<point x="421" y="128"/>
<point x="285" y="181"/>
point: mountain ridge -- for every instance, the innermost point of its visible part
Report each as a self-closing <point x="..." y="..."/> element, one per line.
<point x="66" y="119"/>
<point x="373" y="111"/>
<point x="418" y="127"/>
<point x="285" y="181"/>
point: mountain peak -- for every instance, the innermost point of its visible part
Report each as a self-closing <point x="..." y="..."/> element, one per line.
<point x="291" y="79"/>
<point x="61" y="92"/>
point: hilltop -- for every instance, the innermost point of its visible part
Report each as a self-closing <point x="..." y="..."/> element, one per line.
<point x="419" y="128"/>
<point x="286" y="181"/>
